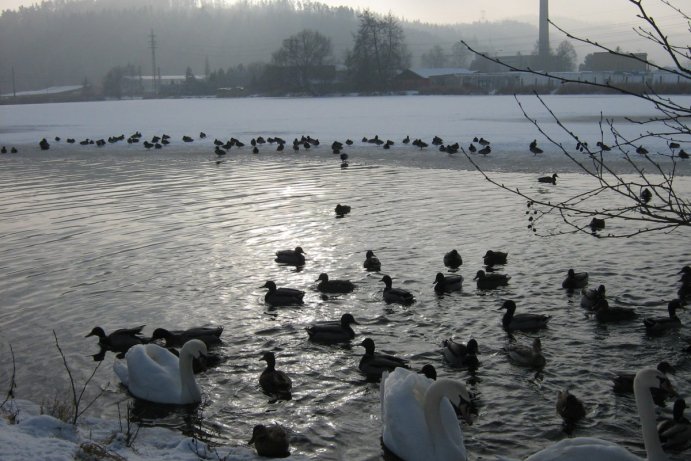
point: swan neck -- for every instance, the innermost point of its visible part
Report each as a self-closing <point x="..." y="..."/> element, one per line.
<point x="646" y="412"/>
<point x="437" y="431"/>
<point x="189" y="390"/>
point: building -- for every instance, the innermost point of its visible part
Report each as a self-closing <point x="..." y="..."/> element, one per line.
<point x="605" y="61"/>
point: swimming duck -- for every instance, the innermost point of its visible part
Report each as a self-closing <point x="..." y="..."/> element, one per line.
<point x="592" y="297"/>
<point x="371" y="263"/>
<point x="492" y="258"/>
<point x="605" y="314"/>
<point x="428" y="371"/>
<point x="661" y="324"/>
<point x="527" y="356"/>
<point x="597" y="224"/>
<point x="549" y="179"/>
<point x="273" y="382"/>
<point x="575" y="280"/>
<point x="373" y="364"/>
<point x="533" y="147"/>
<point x="331" y="332"/>
<point x="282" y="296"/>
<point x="675" y="433"/>
<point x="623" y="384"/>
<point x="490" y="281"/>
<point x="461" y="355"/>
<point x="342" y="210"/>
<point x="153" y="373"/>
<point x="523" y="322"/>
<point x="270" y="441"/>
<point x="396" y="295"/>
<point x="119" y="340"/>
<point x="570" y="408"/>
<point x="418" y="418"/>
<point x="294" y="257"/>
<point x="209" y="335"/>
<point x="447" y="283"/>
<point x="453" y="259"/>
<point x="333" y="286"/>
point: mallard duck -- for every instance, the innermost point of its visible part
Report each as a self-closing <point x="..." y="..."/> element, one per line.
<point x="270" y="441"/>
<point x="661" y="324"/>
<point x="490" y="281"/>
<point x="373" y="364"/>
<point x="575" y="280"/>
<point x="524" y="322"/>
<point x="549" y="179"/>
<point x="282" y="296"/>
<point x="332" y="331"/>
<point x="493" y="258"/>
<point x="527" y="356"/>
<point x="447" y="283"/>
<point x="675" y="433"/>
<point x="334" y="286"/>
<point x="453" y="259"/>
<point x="592" y="297"/>
<point x="461" y="355"/>
<point x="623" y="384"/>
<point x="342" y="210"/>
<point x="570" y="408"/>
<point x="294" y="257"/>
<point x="605" y="314"/>
<point x="210" y="336"/>
<point x="119" y="340"/>
<point x="371" y="263"/>
<point x="429" y="371"/>
<point x="396" y="295"/>
<point x="273" y="382"/>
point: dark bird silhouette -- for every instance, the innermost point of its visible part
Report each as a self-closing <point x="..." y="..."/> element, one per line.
<point x="332" y="332"/>
<point x="210" y="335"/>
<point x="373" y="364"/>
<point x="656" y="325"/>
<point x="371" y="263"/>
<point x="472" y="148"/>
<point x="342" y="210"/>
<point x="493" y="258"/>
<point x="521" y="322"/>
<point x="119" y="340"/>
<point x="549" y="179"/>
<point x="683" y="154"/>
<point x="396" y="295"/>
<point x="43" y="144"/>
<point x="490" y="281"/>
<point x="597" y="224"/>
<point x="485" y="150"/>
<point x="575" y="280"/>
<point x="533" y="147"/>
<point x="646" y="195"/>
<point x="275" y="383"/>
<point x="447" y="283"/>
<point x="605" y="313"/>
<point x="282" y="296"/>
<point x="294" y="257"/>
<point x="453" y="259"/>
<point x="570" y="408"/>
<point x="641" y="150"/>
<point x="334" y="286"/>
<point x="187" y="139"/>
<point x="270" y="441"/>
<point x="461" y="355"/>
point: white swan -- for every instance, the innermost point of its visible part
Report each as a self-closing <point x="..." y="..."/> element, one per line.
<point x="418" y="420"/>
<point x="153" y="373"/>
<point x="592" y="449"/>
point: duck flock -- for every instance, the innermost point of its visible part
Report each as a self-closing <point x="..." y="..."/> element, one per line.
<point x="414" y="404"/>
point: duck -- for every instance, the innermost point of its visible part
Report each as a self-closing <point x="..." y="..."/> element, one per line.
<point x="373" y="364"/>
<point x="331" y="332"/>
<point x="522" y="322"/>
<point x="209" y="335"/>
<point x="294" y="257"/>
<point x="623" y="383"/>
<point x="527" y="356"/>
<point x="662" y="324"/>
<point x="282" y="296"/>
<point x="570" y="408"/>
<point x="549" y="179"/>
<point x="371" y="263"/>
<point x="606" y="314"/>
<point x="333" y="286"/>
<point x="419" y="422"/>
<point x="461" y="355"/>
<point x="490" y="281"/>
<point x="275" y="383"/>
<point x="153" y="373"/>
<point x="428" y="371"/>
<point x="493" y="258"/>
<point x="592" y="297"/>
<point x="594" y="449"/>
<point x="270" y="441"/>
<point x="533" y="147"/>
<point x="575" y="280"/>
<point x="447" y="283"/>
<point x="453" y="259"/>
<point x="342" y="210"/>
<point x="597" y="224"/>
<point x="675" y="433"/>
<point x="396" y="295"/>
<point x="119" y="340"/>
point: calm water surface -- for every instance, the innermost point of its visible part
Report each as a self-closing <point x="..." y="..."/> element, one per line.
<point x="174" y="240"/>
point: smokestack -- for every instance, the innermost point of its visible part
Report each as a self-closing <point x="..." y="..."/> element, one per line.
<point x="543" y="46"/>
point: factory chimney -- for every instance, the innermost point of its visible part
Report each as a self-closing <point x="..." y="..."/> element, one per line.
<point x="543" y="44"/>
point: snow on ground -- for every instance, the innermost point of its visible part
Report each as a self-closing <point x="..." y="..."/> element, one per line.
<point x="26" y="434"/>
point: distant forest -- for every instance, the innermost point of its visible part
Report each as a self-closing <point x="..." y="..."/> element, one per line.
<point x="69" y="42"/>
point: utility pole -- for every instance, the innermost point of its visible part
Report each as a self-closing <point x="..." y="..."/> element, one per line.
<point x="152" y="45"/>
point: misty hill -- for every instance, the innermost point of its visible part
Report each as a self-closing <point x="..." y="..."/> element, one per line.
<point x="65" y="42"/>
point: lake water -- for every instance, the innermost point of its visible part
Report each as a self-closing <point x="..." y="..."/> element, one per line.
<point x="120" y="236"/>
